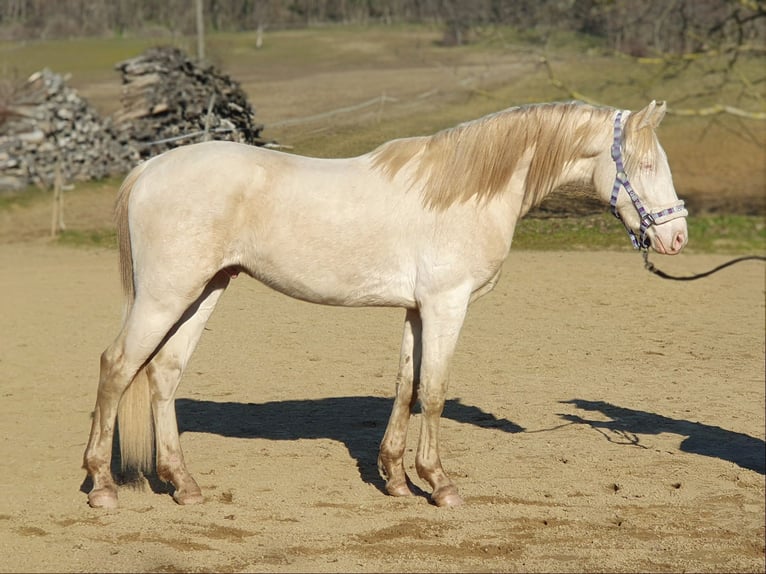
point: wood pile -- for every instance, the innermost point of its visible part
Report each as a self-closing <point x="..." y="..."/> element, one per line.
<point x="168" y="100"/>
<point x="43" y="123"/>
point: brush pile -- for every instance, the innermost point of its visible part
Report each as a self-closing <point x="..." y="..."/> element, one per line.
<point x="43" y="123"/>
<point x="168" y="100"/>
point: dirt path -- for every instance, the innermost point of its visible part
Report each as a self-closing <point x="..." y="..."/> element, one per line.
<point x="600" y="420"/>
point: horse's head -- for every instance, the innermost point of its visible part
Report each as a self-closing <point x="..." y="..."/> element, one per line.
<point x="636" y="172"/>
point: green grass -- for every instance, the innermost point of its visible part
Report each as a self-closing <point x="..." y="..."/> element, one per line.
<point x="106" y="238"/>
<point x="726" y="234"/>
<point x="326" y="47"/>
<point x="722" y="234"/>
<point x="24" y="198"/>
<point x="710" y="233"/>
<point x="86" y="59"/>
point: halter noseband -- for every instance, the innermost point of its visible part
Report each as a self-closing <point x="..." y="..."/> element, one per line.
<point x="621" y="180"/>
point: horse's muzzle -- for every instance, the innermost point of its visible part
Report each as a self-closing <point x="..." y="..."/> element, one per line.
<point x="669" y="238"/>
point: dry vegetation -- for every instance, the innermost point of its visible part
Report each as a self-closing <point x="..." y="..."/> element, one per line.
<point x="339" y="91"/>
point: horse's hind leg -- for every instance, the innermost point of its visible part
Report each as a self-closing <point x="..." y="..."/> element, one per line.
<point x="164" y="372"/>
<point x="144" y="329"/>
<point x="391" y="458"/>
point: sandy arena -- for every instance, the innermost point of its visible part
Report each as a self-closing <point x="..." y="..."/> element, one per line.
<point x="601" y="419"/>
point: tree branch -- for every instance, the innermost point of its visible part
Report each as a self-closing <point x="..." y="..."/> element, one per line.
<point x="712" y="110"/>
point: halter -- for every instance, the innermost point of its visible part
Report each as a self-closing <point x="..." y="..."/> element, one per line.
<point x="621" y="180"/>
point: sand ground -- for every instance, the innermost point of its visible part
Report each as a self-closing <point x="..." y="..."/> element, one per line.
<point x="600" y="419"/>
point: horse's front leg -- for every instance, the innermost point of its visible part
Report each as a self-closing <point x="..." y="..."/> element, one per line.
<point x="442" y="320"/>
<point x="391" y="458"/>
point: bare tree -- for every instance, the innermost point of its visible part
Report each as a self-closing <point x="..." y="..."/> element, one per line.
<point x="637" y="27"/>
<point x="200" y="13"/>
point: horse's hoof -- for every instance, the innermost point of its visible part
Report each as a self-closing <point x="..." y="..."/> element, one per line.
<point x="446" y="496"/>
<point x="102" y="498"/>
<point x="400" y="489"/>
<point x="186" y="498"/>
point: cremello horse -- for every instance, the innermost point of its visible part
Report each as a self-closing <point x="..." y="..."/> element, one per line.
<point x="422" y="223"/>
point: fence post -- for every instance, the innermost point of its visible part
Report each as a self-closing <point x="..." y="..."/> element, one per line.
<point x="57" y="219"/>
<point x="208" y="118"/>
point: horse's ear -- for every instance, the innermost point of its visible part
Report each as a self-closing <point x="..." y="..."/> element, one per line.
<point x="659" y="112"/>
<point x="651" y="115"/>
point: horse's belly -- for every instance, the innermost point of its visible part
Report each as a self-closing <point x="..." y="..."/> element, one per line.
<point x="346" y="285"/>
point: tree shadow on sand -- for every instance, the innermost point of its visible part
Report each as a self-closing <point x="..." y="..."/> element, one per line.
<point x="702" y="439"/>
<point x="357" y="422"/>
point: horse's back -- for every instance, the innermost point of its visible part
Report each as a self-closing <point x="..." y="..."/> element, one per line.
<point x="322" y="230"/>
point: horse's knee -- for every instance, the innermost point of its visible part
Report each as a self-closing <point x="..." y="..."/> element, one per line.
<point x="431" y="402"/>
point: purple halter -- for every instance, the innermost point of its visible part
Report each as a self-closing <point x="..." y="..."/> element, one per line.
<point x="621" y="180"/>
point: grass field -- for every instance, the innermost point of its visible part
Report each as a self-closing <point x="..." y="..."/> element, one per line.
<point x="711" y="233"/>
<point x="731" y="234"/>
<point x="299" y="74"/>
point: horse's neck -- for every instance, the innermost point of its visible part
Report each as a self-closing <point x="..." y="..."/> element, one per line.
<point x="577" y="173"/>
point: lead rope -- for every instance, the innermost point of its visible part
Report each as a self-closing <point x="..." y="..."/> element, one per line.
<point x="652" y="269"/>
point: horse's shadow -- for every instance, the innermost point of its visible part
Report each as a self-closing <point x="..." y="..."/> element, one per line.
<point x="357" y="421"/>
<point x="706" y="440"/>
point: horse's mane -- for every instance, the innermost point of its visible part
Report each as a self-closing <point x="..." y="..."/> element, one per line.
<point x="479" y="157"/>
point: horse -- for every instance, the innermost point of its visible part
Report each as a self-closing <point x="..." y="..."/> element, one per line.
<point x="421" y="223"/>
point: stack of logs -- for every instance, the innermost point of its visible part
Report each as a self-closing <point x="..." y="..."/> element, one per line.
<point x="46" y="123"/>
<point x="167" y="101"/>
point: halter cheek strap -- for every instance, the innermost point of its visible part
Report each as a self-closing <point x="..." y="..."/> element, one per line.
<point x="673" y="211"/>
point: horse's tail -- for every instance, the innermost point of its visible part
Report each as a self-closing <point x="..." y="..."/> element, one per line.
<point x="134" y="415"/>
<point x="123" y="234"/>
<point x="134" y="421"/>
